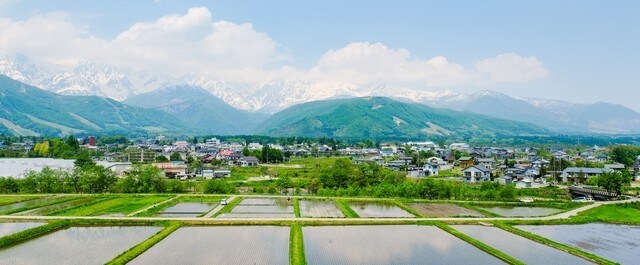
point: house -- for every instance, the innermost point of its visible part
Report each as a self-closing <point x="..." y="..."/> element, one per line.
<point x="636" y="166"/>
<point x="221" y="173"/>
<point x="525" y="183"/>
<point x="173" y="170"/>
<point x="462" y="147"/>
<point x="207" y="173"/>
<point x="397" y="163"/>
<point x="615" y="166"/>
<point x="505" y="180"/>
<point x="430" y="169"/>
<point x="476" y="173"/>
<point x="486" y="162"/>
<point x="465" y="161"/>
<point x="248" y="161"/>
<point x="120" y="168"/>
<point x="572" y="173"/>
<point x="538" y="163"/>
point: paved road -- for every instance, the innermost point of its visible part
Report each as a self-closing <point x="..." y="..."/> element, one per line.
<point x="564" y="215"/>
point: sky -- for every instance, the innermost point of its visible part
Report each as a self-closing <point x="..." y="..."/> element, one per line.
<point x="575" y="50"/>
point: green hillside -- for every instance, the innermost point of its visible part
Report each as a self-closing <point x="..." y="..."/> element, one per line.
<point x="383" y="118"/>
<point x="27" y="110"/>
<point x="199" y="109"/>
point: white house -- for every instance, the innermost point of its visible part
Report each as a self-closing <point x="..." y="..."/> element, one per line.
<point x="476" y="173"/>
<point x="430" y="169"/>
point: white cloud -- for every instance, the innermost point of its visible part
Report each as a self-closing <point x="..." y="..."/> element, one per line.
<point x="194" y="42"/>
<point x="511" y="67"/>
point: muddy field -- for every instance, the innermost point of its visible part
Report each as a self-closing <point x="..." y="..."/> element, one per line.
<point x="443" y="210"/>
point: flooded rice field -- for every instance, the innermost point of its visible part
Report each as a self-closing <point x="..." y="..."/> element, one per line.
<point x="523" y="249"/>
<point x="262" y="208"/>
<point x="31" y="203"/>
<point x="57" y="207"/>
<point x="221" y="245"/>
<point x="319" y="209"/>
<point x="187" y="209"/>
<point x="12" y="228"/>
<point x="619" y="243"/>
<point x="444" y="210"/>
<point x="521" y="211"/>
<point x="393" y="244"/>
<point x="77" y="245"/>
<point x="378" y="210"/>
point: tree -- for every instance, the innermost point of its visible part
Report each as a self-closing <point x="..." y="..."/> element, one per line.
<point x="283" y="182"/>
<point x="83" y="160"/>
<point x="144" y="179"/>
<point x="175" y="157"/>
<point x="613" y="181"/>
<point x="162" y="159"/>
<point x="215" y="186"/>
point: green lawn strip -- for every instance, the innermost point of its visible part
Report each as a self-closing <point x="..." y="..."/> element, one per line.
<point x="227" y="208"/>
<point x="545" y="241"/>
<point x="123" y="204"/>
<point x="346" y="210"/>
<point x="296" y="246"/>
<point x="482" y="246"/>
<point x="623" y="213"/>
<point x="408" y="209"/>
<point x="97" y="200"/>
<point x="4" y="200"/>
<point x="296" y="207"/>
<point x="61" y="199"/>
<point x="28" y="234"/>
<point x="135" y="251"/>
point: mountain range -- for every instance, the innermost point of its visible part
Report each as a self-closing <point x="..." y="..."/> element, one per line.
<point x="253" y="102"/>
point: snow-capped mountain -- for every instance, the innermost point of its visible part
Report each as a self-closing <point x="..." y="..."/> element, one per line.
<point x="19" y="67"/>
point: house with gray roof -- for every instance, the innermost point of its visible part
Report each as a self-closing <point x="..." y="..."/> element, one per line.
<point x="476" y="173"/>
<point x="572" y="173"/>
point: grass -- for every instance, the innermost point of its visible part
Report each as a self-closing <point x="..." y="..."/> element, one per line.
<point x="121" y="205"/>
<point x="135" y="251"/>
<point x="346" y="210"/>
<point x="28" y="234"/>
<point x="624" y="213"/>
<point x="482" y="246"/>
<point x="296" y="246"/>
<point x="4" y="200"/>
<point x="96" y="200"/>
<point x="296" y="207"/>
<point x="545" y="241"/>
<point x="227" y="208"/>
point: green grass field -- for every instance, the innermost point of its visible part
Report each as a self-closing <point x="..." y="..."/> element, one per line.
<point x="4" y="200"/>
<point x="626" y="213"/>
<point x="119" y="205"/>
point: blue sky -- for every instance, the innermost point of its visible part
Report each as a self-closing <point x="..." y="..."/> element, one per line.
<point x="579" y="51"/>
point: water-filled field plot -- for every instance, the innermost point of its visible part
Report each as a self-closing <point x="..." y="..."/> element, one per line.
<point x="4" y="200"/>
<point x="319" y="209"/>
<point x="11" y="228"/>
<point x="45" y="210"/>
<point x="118" y="206"/>
<point x="521" y="211"/>
<point x="394" y="244"/>
<point x="523" y="249"/>
<point x="187" y="209"/>
<point x="221" y="245"/>
<point x="262" y="208"/>
<point x="379" y="210"/>
<point x="619" y="243"/>
<point x="31" y="204"/>
<point x="77" y="245"/>
<point x="444" y="210"/>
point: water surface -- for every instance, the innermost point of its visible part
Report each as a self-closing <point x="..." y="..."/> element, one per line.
<point x="319" y="209"/>
<point x="77" y="245"/>
<point x="11" y="228"/>
<point x="378" y="210"/>
<point x="619" y="243"/>
<point x="521" y="211"/>
<point x="388" y="244"/>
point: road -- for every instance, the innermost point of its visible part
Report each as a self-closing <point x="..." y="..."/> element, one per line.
<point x="200" y="220"/>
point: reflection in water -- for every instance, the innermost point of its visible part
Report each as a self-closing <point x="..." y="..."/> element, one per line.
<point x="319" y="208"/>
<point x="10" y="228"/>
<point x="221" y="245"/>
<point x="30" y="203"/>
<point x="393" y="244"/>
<point x="523" y="249"/>
<point x="376" y="209"/>
<point x="77" y="245"/>
<point x="614" y="242"/>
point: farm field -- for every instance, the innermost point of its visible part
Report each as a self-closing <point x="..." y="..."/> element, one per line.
<point x="31" y="204"/>
<point x="261" y="208"/>
<point x="121" y="205"/>
<point x="618" y="243"/>
<point x="77" y="245"/>
<point x="221" y="245"/>
<point x="53" y="208"/>
<point x="319" y="209"/>
<point x="521" y="211"/>
<point x="378" y="210"/>
<point x="523" y="249"/>
<point x="4" y="200"/>
<point x="388" y="245"/>
<point x="184" y="206"/>
<point x="444" y="210"/>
